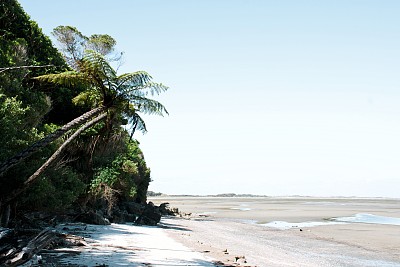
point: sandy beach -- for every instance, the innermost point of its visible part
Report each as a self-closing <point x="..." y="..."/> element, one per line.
<point x="121" y="245"/>
<point x="245" y="232"/>
<point x="281" y="231"/>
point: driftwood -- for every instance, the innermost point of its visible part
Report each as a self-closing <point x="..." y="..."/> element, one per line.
<point x="115" y="246"/>
<point x="62" y="250"/>
<point x="18" y="256"/>
<point x="24" y="67"/>
<point x="72" y="240"/>
<point x="5" y="234"/>
<point x="17" y="248"/>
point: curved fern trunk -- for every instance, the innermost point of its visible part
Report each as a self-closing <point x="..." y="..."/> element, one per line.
<point x="48" y="139"/>
<point x="13" y="195"/>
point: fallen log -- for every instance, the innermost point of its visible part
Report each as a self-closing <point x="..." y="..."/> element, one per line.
<point x="61" y="250"/>
<point x="34" y="246"/>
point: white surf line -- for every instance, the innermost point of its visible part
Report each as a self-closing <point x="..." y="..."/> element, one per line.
<point x="369" y="218"/>
<point x="242" y="209"/>
<point x="286" y="225"/>
<point x="358" y="218"/>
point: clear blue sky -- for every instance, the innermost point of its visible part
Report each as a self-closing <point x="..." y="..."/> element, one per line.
<point x="266" y="97"/>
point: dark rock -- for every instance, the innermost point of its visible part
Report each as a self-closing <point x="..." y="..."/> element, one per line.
<point x="122" y="217"/>
<point x="166" y="210"/>
<point x="151" y="215"/>
<point x="118" y="217"/>
<point x="134" y="208"/>
<point x="92" y="217"/>
<point x="130" y="218"/>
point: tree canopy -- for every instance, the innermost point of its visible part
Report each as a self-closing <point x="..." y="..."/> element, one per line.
<point x="42" y="92"/>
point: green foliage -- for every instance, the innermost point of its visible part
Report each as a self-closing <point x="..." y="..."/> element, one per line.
<point x="55" y="191"/>
<point x="130" y="167"/>
<point x="120" y="176"/>
<point x="73" y="44"/>
<point x="102" y="43"/>
<point x="22" y="43"/>
<point x="90" y="97"/>
<point x="124" y="171"/>
<point x="15" y="131"/>
<point x="106" y="175"/>
<point x="16" y="25"/>
<point x="103" y="160"/>
<point x="24" y="106"/>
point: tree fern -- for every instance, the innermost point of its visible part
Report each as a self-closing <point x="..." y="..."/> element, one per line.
<point x="125" y="94"/>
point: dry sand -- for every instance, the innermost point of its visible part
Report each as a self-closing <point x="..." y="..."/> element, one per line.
<point x="122" y="245"/>
<point x="230" y="226"/>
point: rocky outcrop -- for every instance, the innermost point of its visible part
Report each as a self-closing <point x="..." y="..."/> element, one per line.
<point x="145" y="214"/>
<point x="166" y="210"/>
<point x="123" y="216"/>
<point x="92" y="217"/>
<point x="129" y="212"/>
<point x="151" y="215"/>
<point x="133" y="207"/>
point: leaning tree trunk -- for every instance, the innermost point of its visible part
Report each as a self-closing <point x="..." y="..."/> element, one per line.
<point x="4" y="215"/>
<point x="48" y="139"/>
<point x="13" y="195"/>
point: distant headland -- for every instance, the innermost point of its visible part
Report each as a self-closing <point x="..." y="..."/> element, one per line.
<point x="158" y="194"/>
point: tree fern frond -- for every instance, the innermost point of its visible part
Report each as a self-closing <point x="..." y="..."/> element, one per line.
<point x="126" y="92"/>
<point x="155" y="88"/>
<point x="88" y="97"/>
<point x="142" y="91"/>
<point x="94" y="64"/>
<point x="134" y="119"/>
<point x="134" y="79"/>
<point x="148" y="106"/>
<point x="139" y="124"/>
<point x="68" y="79"/>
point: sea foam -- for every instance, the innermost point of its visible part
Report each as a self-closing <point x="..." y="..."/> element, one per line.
<point x="368" y="218"/>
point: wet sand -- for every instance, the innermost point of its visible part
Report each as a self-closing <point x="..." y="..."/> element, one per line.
<point x="236" y="225"/>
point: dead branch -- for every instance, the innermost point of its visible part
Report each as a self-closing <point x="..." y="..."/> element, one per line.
<point x="24" y="67"/>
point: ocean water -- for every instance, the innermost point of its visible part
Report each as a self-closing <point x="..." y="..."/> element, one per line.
<point x="293" y="212"/>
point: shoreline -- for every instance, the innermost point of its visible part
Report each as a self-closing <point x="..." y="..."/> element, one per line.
<point x="256" y="245"/>
<point x="248" y="196"/>
<point x="219" y="224"/>
<point x="232" y="232"/>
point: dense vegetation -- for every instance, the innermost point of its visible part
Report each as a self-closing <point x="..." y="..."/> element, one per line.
<point x="94" y="161"/>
